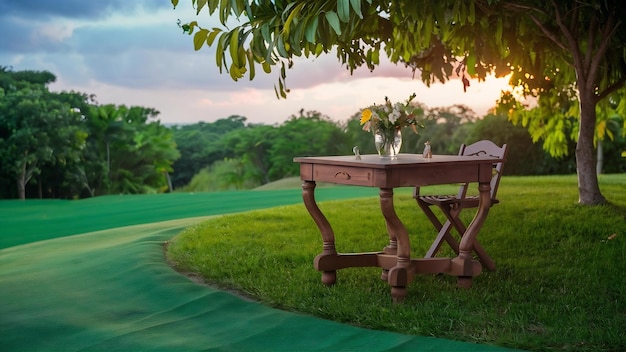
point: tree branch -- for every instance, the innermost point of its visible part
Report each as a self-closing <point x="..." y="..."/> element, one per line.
<point x="608" y="33"/>
<point x="572" y="42"/>
<point x="547" y="32"/>
<point x="590" y="40"/>
<point x="611" y="88"/>
<point x="551" y="35"/>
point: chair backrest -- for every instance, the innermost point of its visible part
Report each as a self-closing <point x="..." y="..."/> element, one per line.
<point x="486" y="147"/>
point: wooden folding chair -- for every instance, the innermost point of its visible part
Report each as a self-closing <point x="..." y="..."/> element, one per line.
<point x="452" y="205"/>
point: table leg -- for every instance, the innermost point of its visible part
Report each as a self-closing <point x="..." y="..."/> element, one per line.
<point x="392" y="247"/>
<point x="402" y="274"/>
<point x="465" y="267"/>
<point x="328" y="236"/>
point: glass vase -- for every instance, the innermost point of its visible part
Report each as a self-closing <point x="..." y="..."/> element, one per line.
<point x="388" y="142"/>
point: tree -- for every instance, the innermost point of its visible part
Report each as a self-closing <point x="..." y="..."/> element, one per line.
<point x="551" y="48"/>
<point x="253" y="145"/>
<point x="526" y="157"/>
<point x="36" y="127"/>
<point x="446" y="129"/>
<point x="307" y="134"/>
<point x="141" y="152"/>
<point x="202" y="144"/>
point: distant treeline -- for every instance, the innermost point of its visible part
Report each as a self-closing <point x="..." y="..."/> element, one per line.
<point x="66" y="145"/>
<point x="228" y="154"/>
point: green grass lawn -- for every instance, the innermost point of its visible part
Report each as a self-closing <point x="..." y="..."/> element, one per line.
<point x="559" y="283"/>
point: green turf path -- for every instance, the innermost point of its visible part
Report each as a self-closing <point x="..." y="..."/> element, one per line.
<point x="33" y="220"/>
<point x="110" y="289"/>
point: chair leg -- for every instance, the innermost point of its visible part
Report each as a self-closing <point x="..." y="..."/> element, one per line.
<point x="444" y="231"/>
<point x="444" y="234"/>
<point x="429" y="214"/>
<point x="453" y="220"/>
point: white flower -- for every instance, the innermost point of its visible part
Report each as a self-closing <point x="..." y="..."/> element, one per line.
<point x="394" y="116"/>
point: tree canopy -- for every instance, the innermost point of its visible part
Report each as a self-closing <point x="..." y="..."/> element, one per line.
<point x="69" y="146"/>
<point x="565" y="53"/>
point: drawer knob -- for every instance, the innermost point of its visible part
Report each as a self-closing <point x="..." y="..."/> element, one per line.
<point x="342" y="175"/>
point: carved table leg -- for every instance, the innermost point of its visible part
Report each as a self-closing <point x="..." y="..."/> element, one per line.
<point x="329" y="277"/>
<point x="465" y="267"/>
<point x="391" y="248"/>
<point x="402" y="274"/>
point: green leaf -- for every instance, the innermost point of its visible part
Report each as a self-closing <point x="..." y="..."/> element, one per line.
<point x="287" y="10"/>
<point x="237" y="6"/>
<point x="276" y="92"/>
<point x="242" y="51"/>
<point x="471" y="64"/>
<point x="258" y="48"/>
<point x="219" y="51"/>
<point x="270" y="48"/>
<point x="200" y="38"/>
<point x="376" y="57"/>
<point x="319" y="48"/>
<point x="484" y="22"/>
<point x="280" y="46"/>
<point x="234" y="45"/>
<point x="499" y="30"/>
<point x="199" y="5"/>
<point x="251" y="64"/>
<point x="439" y="12"/>
<point x="241" y="57"/>
<point x="428" y="31"/>
<point x="343" y="10"/>
<point x="249" y="10"/>
<point x="235" y="74"/>
<point x="192" y="25"/>
<point x="296" y="38"/>
<point x="294" y="14"/>
<point x="224" y="11"/>
<point x="311" y="30"/>
<point x="333" y="21"/>
<point x="213" y="5"/>
<point x="265" y="32"/>
<point x="356" y="6"/>
<point x="212" y="35"/>
<point x="283" y="94"/>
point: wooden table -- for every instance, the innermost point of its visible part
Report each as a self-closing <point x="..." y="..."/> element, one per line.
<point x="408" y="170"/>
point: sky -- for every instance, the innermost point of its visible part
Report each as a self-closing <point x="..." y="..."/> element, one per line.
<point x="133" y="53"/>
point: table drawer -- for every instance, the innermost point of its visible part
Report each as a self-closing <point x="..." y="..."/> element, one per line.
<point x="338" y="174"/>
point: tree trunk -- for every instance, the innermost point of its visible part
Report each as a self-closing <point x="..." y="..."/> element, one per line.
<point x="40" y="188"/>
<point x="600" y="154"/>
<point x="588" y="187"/>
<point x="21" y="183"/>
<point x="21" y="188"/>
<point x="169" y="182"/>
<point x="26" y="173"/>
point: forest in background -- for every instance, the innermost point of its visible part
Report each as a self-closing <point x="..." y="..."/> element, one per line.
<point x="66" y="145"/>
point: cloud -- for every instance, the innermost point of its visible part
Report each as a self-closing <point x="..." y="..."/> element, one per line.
<point x="75" y="9"/>
<point x="133" y="53"/>
<point x="138" y="45"/>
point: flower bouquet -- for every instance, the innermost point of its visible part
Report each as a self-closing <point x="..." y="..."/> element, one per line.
<point x="386" y="122"/>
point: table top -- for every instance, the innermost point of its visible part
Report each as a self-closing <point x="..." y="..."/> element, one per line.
<point x="375" y="161"/>
<point x="407" y="170"/>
